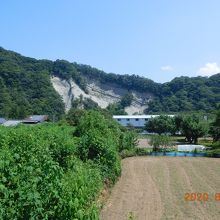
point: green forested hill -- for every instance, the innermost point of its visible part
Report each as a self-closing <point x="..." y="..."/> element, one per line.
<point x="181" y="94"/>
<point x="25" y="87"/>
<point x="188" y="94"/>
<point x="130" y="82"/>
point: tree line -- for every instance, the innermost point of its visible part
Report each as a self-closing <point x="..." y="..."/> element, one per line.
<point x="25" y="88"/>
<point x="192" y="126"/>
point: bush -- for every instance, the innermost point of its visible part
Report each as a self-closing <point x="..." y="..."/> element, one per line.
<point x="135" y="152"/>
<point x="74" y="115"/>
<point x="158" y="141"/>
<point x="128" y="140"/>
<point x="99" y="142"/>
<point x="40" y="177"/>
<point x="80" y="187"/>
<point x="30" y="178"/>
<point x="46" y="173"/>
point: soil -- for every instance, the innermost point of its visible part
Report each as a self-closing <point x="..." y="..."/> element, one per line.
<point x="143" y="143"/>
<point x="155" y="187"/>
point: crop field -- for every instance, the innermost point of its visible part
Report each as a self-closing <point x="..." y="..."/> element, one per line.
<point x="166" y="188"/>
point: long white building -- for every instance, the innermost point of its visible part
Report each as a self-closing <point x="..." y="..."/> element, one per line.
<point x="137" y="121"/>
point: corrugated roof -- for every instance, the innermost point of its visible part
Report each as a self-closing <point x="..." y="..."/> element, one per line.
<point x="2" y="120"/>
<point x="12" y="122"/>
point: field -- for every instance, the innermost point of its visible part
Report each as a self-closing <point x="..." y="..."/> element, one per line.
<point x="155" y="188"/>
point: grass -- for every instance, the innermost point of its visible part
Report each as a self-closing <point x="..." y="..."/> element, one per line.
<point x="135" y="152"/>
<point x="176" y="176"/>
<point x="205" y="141"/>
<point x="144" y="136"/>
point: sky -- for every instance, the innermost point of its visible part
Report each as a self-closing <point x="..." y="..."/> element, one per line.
<point x="157" y="39"/>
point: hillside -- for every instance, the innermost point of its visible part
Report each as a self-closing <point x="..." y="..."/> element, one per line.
<point x="25" y="87"/>
<point x="30" y="86"/>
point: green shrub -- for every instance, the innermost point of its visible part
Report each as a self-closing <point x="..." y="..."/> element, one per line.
<point x="159" y="141"/>
<point x="41" y="178"/>
<point x="47" y="173"/>
<point x="128" y="140"/>
<point x="135" y="152"/>
<point x="30" y="178"/>
<point x="99" y="142"/>
<point x="80" y="187"/>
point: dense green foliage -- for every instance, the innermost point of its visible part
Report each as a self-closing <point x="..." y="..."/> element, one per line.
<point x="192" y="126"/>
<point x="74" y="115"/>
<point x="187" y="94"/>
<point x="101" y="138"/>
<point x="25" y="88"/>
<point x="179" y="95"/>
<point x="215" y="133"/>
<point x="159" y="141"/>
<point x="116" y="109"/>
<point x="99" y="141"/>
<point x="84" y="103"/>
<point x="215" y="126"/>
<point x="126" y="100"/>
<point x="41" y="178"/>
<point x="161" y="124"/>
<point x="66" y="70"/>
<point x="57" y="171"/>
<point x="129" y="82"/>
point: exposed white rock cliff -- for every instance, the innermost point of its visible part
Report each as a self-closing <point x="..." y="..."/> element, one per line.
<point x="103" y="95"/>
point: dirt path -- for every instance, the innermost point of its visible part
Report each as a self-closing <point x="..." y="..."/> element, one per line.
<point x="154" y="188"/>
<point x="134" y="194"/>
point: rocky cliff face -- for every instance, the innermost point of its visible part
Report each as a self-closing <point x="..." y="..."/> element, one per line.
<point x="102" y="94"/>
<point x="31" y="86"/>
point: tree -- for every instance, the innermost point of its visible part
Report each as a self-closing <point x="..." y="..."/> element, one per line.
<point x="154" y="106"/>
<point x="158" y="141"/>
<point x="90" y="104"/>
<point x="126" y="100"/>
<point x="215" y="126"/>
<point x="161" y="124"/>
<point x="84" y="103"/>
<point x="99" y="142"/>
<point x="74" y="115"/>
<point x="5" y="100"/>
<point x="193" y="127"/>
<point x="116" y="109"/>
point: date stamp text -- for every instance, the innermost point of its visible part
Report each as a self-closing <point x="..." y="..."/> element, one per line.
<point x="201" y="197"/>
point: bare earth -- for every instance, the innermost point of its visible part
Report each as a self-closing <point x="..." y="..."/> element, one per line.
<point x="143" y="143"/>
<point x="154" y="188"/>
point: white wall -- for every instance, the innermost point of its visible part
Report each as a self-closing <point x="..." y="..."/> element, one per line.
<point x="134" y="120"/>
<point x="139" y="122"/>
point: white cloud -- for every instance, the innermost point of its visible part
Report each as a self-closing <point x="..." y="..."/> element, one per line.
<point x="209" y="69"/>
<point x="166" y="68"/>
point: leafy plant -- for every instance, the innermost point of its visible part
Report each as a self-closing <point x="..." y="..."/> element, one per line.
<point x="159" y="142"/>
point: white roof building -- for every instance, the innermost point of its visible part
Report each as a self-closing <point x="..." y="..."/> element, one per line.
<point x="134" y="120"/>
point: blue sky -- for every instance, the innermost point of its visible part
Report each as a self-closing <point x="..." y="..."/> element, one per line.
<point x="158" y="39"/>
